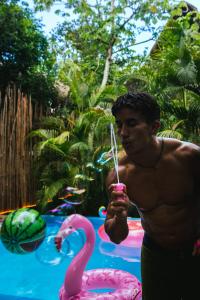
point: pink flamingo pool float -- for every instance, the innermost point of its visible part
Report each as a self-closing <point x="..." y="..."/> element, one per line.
<point x="78" y="284"/>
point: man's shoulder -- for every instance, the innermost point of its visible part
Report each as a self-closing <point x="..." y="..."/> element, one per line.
<point x="182" y="148"/>
<point x="187" y="148"/>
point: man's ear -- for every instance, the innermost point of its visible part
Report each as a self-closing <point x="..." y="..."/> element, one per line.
<point x="155" y="126"/>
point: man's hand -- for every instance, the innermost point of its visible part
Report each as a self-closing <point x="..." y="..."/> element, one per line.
<point x="196" y="249"/>
<point x="119" y="203"/>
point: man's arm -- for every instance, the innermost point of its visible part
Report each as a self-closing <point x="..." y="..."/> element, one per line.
<point x="117" y="211"/>
<point x="196" y="172"/>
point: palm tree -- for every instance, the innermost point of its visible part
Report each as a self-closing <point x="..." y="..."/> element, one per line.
<point x="52" y="162"/>
<point x="75" y="146"/>
<point x="173" y="75"/>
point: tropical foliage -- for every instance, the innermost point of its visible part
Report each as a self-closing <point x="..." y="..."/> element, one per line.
<point x="95" y="44"/>
<point x="99" y="63"/>
<point x="24" y="56"/>
<point x="172" y="74"/>
<point x="96" y="60"/>
<point x="71" y="143"/>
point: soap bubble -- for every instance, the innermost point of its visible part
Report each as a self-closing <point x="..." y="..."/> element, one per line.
<point x="48" y="254"/>
<point x="63" y="209"/>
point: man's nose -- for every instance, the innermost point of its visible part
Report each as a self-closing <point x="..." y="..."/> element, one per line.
<point x="123" y="131"/>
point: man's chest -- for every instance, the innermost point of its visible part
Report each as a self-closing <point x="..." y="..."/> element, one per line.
<point x="171" y="183"/>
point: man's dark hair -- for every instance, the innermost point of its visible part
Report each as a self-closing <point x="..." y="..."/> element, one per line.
<point x="140" y="102"/>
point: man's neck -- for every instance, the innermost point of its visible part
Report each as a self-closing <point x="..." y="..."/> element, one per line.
<point x="150" y="155"/>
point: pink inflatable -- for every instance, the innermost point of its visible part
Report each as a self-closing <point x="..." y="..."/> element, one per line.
<point x="134" y="238"/>
<point x="77" y="284"/>
<point x="136" y="233"/>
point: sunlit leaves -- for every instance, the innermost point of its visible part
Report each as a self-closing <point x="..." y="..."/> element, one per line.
<point x="187" y="74"/>
<point x="94" y="26"/>
<point x="173" y="71"/>
<point x="62" y="138"/>
<point x="25" y="59"/>
<point x="169" y="133"/>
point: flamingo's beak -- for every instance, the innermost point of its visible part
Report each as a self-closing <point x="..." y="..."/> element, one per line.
<point x="61" y="235"/>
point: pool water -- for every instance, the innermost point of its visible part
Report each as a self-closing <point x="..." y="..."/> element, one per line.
<point x="25" y="277"/>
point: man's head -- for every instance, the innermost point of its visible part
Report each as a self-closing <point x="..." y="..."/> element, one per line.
<point x="141" y="103"/>
<point x="137" y="118"/>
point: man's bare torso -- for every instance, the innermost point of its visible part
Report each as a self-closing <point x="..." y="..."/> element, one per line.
<point x="166" y="196"/>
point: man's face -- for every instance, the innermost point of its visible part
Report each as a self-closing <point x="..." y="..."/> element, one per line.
<point x="133" y="130"/>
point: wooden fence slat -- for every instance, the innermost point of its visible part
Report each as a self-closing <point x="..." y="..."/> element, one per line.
<point x="17" y="116"/>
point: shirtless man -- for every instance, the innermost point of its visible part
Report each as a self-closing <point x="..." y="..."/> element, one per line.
<point x="162" y="178"/>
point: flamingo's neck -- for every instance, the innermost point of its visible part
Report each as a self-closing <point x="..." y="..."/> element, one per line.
<point x="73" y="277"/>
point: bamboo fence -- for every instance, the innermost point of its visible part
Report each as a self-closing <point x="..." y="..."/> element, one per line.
<point x="17" y="115"/>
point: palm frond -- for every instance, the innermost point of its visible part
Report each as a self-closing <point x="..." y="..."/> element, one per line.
<point x="49" y="192"/>
<point x="41" y="133"/>
<point x="87" y="120"/>
<point x="187" y="74"/>
<point x="52" y="123"/>
<point x="38" y="148"/>
<point x="90" y="139"/>
<point x="52" y="152"/>
<point x="53" y="171"/>
<point x="176" y="109"/>
<point x="176" y="125"/>
<point x="62" y="138"/>
<point x="82" y="177"/>
<point x="111" y="92"/>
<point x="103" y="125"/>
<point x="78" y="87"/>
<point x="193" y="118"/>
<point x="79" y="147"/>
<point x="169" y="133"/>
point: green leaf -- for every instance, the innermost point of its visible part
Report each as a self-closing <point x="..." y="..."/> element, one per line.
<point x="49" y="192"/>
<point x="187" y="74"/>
<point x="168" y="133"/>
<point x="83" y="177"/>
<point x="79" y="147"/>
<point x="41" y="133"/>
<point x="52" y="152"/>
<point x="62" y="138"/>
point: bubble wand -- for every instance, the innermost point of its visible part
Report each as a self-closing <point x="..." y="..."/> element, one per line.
<point x="119" y="186"/>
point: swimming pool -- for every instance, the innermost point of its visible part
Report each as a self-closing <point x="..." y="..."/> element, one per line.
<point x="24" y="277"/>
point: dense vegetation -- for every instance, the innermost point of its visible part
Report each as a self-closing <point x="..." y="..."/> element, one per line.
<point x="25" y="59"/>
<point x="96" y="61"/>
